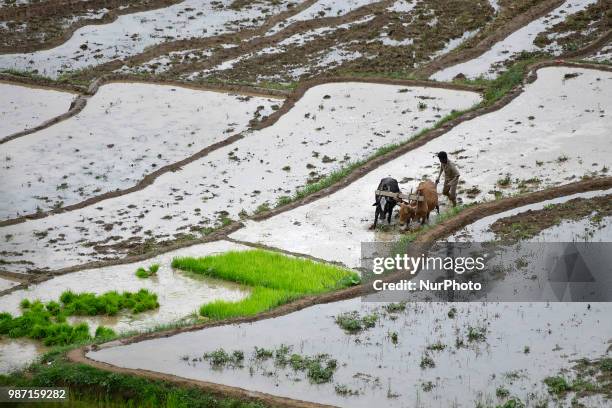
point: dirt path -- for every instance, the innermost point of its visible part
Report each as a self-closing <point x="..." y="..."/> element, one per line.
<point x="441" y="230"/>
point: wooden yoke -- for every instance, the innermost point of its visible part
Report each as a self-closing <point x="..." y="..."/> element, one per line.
<point x="400" y="196"/>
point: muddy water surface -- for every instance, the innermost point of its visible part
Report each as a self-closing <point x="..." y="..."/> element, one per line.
<point x="18" y="353"/>
<point x="24" y="107"/>
<point x="126" y="131"/>
<point x="391" y="374"/>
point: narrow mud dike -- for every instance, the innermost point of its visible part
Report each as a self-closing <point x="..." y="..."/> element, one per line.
<point x="437" y="232"/>
<point x="354" y="175"/>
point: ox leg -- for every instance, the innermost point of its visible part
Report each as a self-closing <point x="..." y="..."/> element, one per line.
<point x="376" y="215"/>
<point x="438" y="209"/>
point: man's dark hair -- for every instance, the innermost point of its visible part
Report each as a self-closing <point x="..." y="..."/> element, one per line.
<point x="443" y="157"/>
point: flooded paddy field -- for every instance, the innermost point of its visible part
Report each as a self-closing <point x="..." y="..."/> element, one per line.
<point x="33" y="25"/>
<point x="383" y="36"/>
<point x="131" y="34"/>
<point x="419" y="356"/>
<point x="362" y="351"/>
<point x="130" y="216"/>
<point x="166" y="124"/>
<point x="25" y="107"/>
<point x="539" y="35"/>
<point x="331" y="126"/>
<point x="554" y="133"/>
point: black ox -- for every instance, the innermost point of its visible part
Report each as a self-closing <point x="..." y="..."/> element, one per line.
<point x="384" y="205"/>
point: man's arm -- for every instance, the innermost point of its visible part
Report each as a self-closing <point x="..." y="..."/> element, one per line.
<point x="439" y="174"/>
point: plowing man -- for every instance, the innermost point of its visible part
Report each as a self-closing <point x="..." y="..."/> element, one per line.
<point x="451" y="177"/>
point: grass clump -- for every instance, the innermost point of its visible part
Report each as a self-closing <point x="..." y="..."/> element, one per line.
<point x="274" y="279"/>
<point x="48" y="321"/>
<point x="262" y="353"/>
<point x="353" y="322"/>
<point x="146" y="273"/>
<point x="476" y="334"/>
<point x="395" y="307"/>
<point x="557" y="385"/>
<point x="221" y="358"/>
<point x="344" y="390"/>
<point x="438" y="346"/>
<point x="427" y="362"/>
<point x="319" y="369"/>
<point x="109" y="303"/>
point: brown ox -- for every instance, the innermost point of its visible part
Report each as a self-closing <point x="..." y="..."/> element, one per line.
<point x="420" y="211"/>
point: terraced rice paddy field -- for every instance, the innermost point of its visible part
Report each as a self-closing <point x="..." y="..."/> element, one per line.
<point x="186" y="186"/>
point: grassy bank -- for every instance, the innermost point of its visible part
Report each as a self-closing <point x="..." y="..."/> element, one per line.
<point x="274" y="279"/>
<point x="90" y="387"/>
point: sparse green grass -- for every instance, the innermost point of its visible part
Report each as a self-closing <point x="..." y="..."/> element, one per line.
<point x="557" y="385"/>
<point x="505" y="181"/>
<point x="48" y="321"/>
<point x="91" y="387"/>
<point x="274" y="279"/>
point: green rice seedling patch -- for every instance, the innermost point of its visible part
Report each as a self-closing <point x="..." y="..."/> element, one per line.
<point x="274" y="279"/>
<point x="146" y="273"/>
<point x="48" y="321"/>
